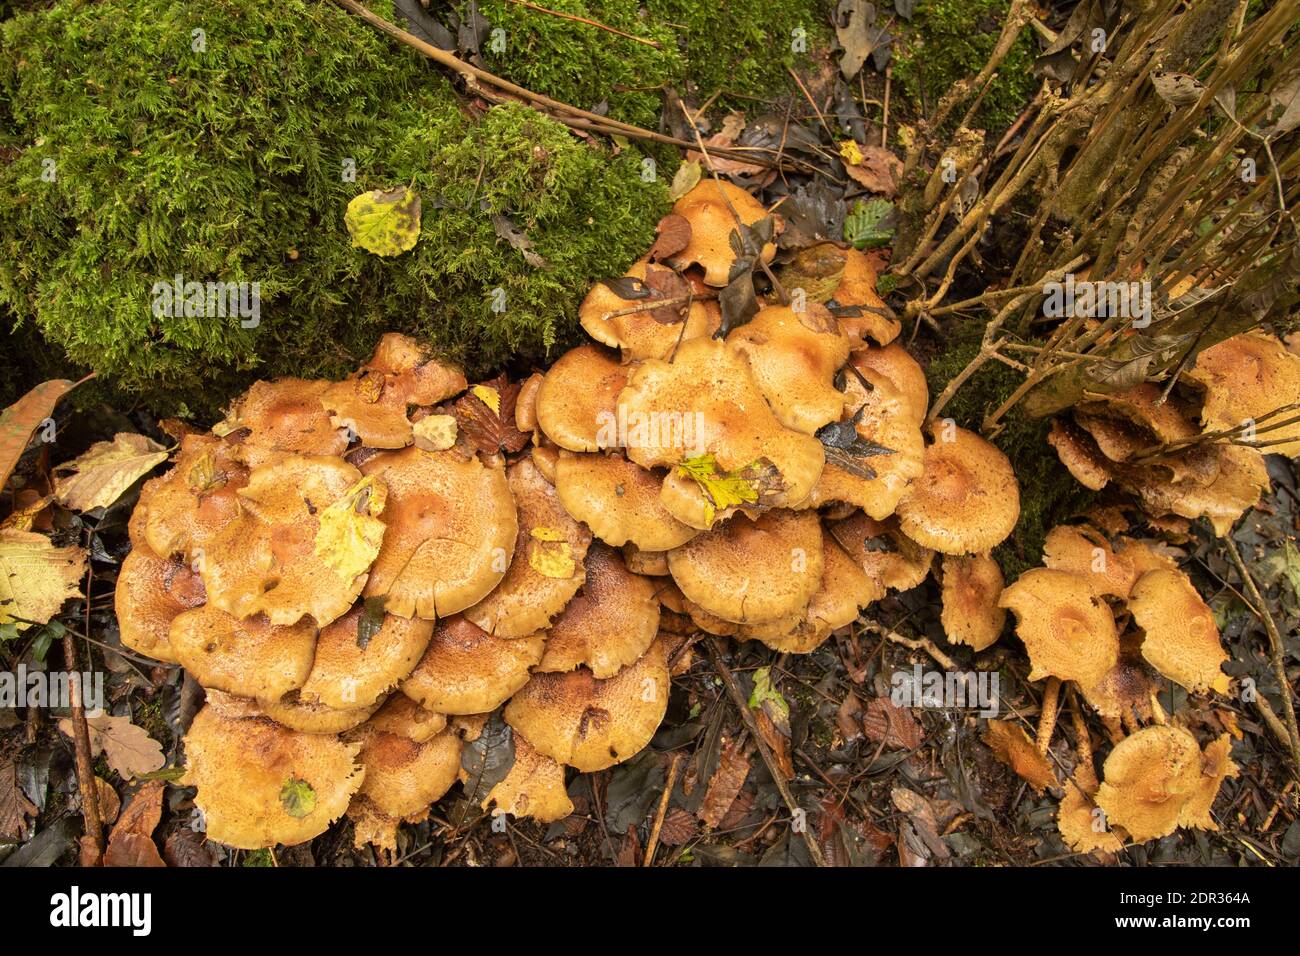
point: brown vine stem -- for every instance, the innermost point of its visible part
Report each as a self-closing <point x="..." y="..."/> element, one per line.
<point x="669" y="782"/>
<point x="591" y="23"/>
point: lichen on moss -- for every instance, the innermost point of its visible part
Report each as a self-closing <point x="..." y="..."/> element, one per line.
<point x="222" y="156"/>
<point x="1048" y="493"/>
<point x="949" y="40"/>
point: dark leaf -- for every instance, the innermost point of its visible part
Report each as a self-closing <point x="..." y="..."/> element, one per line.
<point x="371" y="619"/>
<point x="860" y="37"/>
<point x="672" y="235"/>
<point x="422" y="24"/>
<point x="628" y="288"/>
<point x="634" y="788"/>
<point x="739" y="304"/>
<point x="489" y="431"/>
<point x="486" y="761"/>
<point x="507" y="230"/>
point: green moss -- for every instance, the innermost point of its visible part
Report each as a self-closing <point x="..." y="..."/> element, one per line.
<point x="226" y="163"/>
<point x="950" y="40"/>
<point x="1048" y="493"/>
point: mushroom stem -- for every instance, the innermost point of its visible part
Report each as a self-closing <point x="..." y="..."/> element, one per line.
<point x="81" y="742"/>
<point x="1114" y="729"/>
<point x="670" y="781"/>
<point x="1085" y="771"/>
<point x="1047" y="715"/>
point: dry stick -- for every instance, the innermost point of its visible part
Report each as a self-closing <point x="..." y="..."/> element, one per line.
<point x="1275" y="647"/>
<point x="653" y="844"/>
<point x="81" y="744"/>
<point x="713" y="647"/>
<point x="591" y="23"/>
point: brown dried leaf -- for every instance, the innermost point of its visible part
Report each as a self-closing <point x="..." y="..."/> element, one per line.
<point x="879" y="170"/>
<point x="678" y="829"/>
<point x="895" y="726"/>
<point x="131" y="842"/>
<point x="184" y="847"/>
<point x="776" y="741"/>
<point x="130" y="751"/>
<point x="733" y="768"/>
<point x="489" y="430"/>
<point x="672" y="235"/>
<point x="1013" y="746"/>
<point x="848" y="719"/>
<point x="15" y="808"/>
<point x="20" y="420"/>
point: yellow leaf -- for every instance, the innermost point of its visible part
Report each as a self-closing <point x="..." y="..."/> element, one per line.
<point x="204" y="477"/>
<point x="850" y="153"/>
<point x="36" y="577"/>
<point x="435" y="432"/>
<point x="549" y="554"/>
<point x="23" y="519"/>
<point x="349" y="534"/>
<point x="100" y="476"/>
<point x="729" y="489"/>
<point x="384" y="221"/>
<point x="489" y="396"/>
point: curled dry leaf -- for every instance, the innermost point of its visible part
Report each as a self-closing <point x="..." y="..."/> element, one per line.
<point x="131" y="842"/>
<point x="99" y="477"/>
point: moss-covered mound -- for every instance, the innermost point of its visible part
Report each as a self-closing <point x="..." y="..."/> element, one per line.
<point x="142" y="140"/>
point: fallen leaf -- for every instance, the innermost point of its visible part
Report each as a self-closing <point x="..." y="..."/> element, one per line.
<point x="672" y="235"/>
<point x="297" y="797"/>
<point x="1177" y="89"/>
<point x="749" y="485"/>
<point x="678" y="829"/>
<point x="725" y="783"/>
<point x="777" y="742"/>
<point x="919" y="829"/>
<point x="894" y="726"/>
<point x="519" y="241"/>
<point x="490" y="430"/>
<point x="875" y="168"/>
<point x="435" y="432"/>
<point x="36" y="577"/>
<point x="848" y="718"/>
<point x="768" y="699"/>
<point x="870" y="224"/>
<point x="20" y="420"/>
<point x="99" y="477"/>
<point x="384" y="221"/>
<point x="549" y="554"/>
<point x="855" y="28"/>
<point x="185" y="848"/>
<point x="1013" y="746"/>
<point x="350" y="534"/>
<point x="15" y="808"/>
<point x="131" y="841"/>
<point x="685" y="179"/>
<point x="110" y="804"/>
<point x="129" y="750"/>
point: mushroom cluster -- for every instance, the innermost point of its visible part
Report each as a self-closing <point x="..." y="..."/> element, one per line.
<point x="360" y="572"/>
<point x="1112" y="615"/>
<point x="1197" y="452"/>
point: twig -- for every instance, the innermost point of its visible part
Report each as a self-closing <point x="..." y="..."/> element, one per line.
<point x="592" y="23"/>
<point x="713" y="647"/>
<point x="94" y="822"/>
<point x="653" y="843"/>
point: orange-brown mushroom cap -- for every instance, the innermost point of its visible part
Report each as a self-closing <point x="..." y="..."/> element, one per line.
<point x="577" y="402"/>
<point x="533" y="788"/>
<point x="150" y="593"/>
<point x="1068" y="630"/>
<point x="972" y="586"/>
<point x="468" y="671"/>
<point x="249" y="657"/>
<point x="1246" y="377"/>
<point x="619" y="501"/>
<point x="1182" y="640"/>
<point x="354" y="668"/>
<point x="636" y="334"/>
<point x="286" y="416"/>
<point x="1148" y="778"/>
<point x="712" y="209"/>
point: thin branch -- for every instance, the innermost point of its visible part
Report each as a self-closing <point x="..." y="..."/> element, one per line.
<point x="592" y="23"/>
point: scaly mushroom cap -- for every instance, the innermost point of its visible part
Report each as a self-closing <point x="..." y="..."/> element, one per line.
<point x="403" y="778"/>
<point x="577" y="402"/>
<point x="190" y="505"/>
<point x="374" y="401"/>
<point x="313" y="718"/>
<point x="889" y="557"/>
<point x="526" y="403"/>
<point x="280" y="558"/>
<point x="1216" y="767"/>
<point x="609" y="624"/>
<point x="712" y="208"/>
<point x="285" y="416"/>
<point x="1118" y="439"/>
<point x="972" y="586"/>
<point x="468" y="671"/>
<point x="1079" y="454"/>
<point x="1076" y="818"/>
<point x="619" y="501"/>
<point x="706" y="401"/>
<point x="405" y="717"/>
<point x="1246" y="377"/>
<point x="637" y="334"/>
<point x="845" y="589"/>
<point x="533" y="788"/>
<point x="1242" y="478"/>
<point x="1068" y="631"/>
<point x="1086" y="552"/>
<point x="260" y="784"/>
<point x="1125" y="692"/>
<point x="886" y="420"/>
<point x="894" y="363"/>
<point x="352" y="670"/>
<point x="548" y="565"/>
<point x="1149" y="778"/>
<point x="753" y="571"/>
<point x="794" y="357"/>
<point x="249" y="657"/>
<point x="966" y="500"/>
<point x="1182" y="640"/>
<point x="451" y="531"/>
<point x="151" y="592"/>
<point x="857" y="288"/>
<point x="579" y="720"/>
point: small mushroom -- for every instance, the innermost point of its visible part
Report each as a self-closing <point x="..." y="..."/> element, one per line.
<point x="1086" y="552"/>
<point x="712" y="208"/>
<point x="533" y="788"/>
<point x="1148" y="779"/>
<point x="468" y="671"/>
<point x="577" y="402"/>
<point x="1242" y="478"/>
<point x="405" y="717"/>
<point x="619" y="501"/>
<point x="402" y="780"/>
<point x="868" y="317"/>
<point x="189" y="506"/>
<point x="1181" y="639"/>
<point x="889" y="557"/>
<point x="967" y="499"/>
<point x="972" y="586"/>
<point x="580" y="720"/>
<point x="1079" y="454"/>
<point x="1068" y="630"/>
<point x="260" y="784"/>
<point x="896" y="364"/>
<point x="285" y="416"/>
<point x="1246" y="377"/>
<point x="605" y="316"/>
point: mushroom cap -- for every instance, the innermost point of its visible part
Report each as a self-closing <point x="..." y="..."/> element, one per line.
<point x="577" y="402"/>
<point x="345" y="675"/>
<point x="268" y="561"/>
<point x="403" y="778"/>
<point x="1079" y="454"/>
<point x="533" y="788"/>
<point x="1182" y="640"/>
<point x="966" y="500"/>
<point x="547" y="568"/>
<point x="889" y="557"/>
<point x="150" y="593"/>
<point x="753" y="571"/>
<point x="886" y="420"/>
<point x="794" y="357"/>
<point x="972" y="585"/>
<point x="526" y="403"/>
<point x="580" y="720"/>
<point x="308" y="717"/>
<point x="1075" y="819"/>
<point x="1068" y="630"/>
<point x="1149" y="777"/>
<point x="286" y="415"/>
<point x="374" y="401"/>
<point x="1125" y="692"/>
<point x="248" y="657"/>
<point x="451" y="531"/>
<point x="260" y="784"/>
<point x="896" y="364"/>
<point x="190" y="505"/>
<point x="1086" y="552"/>
<point x="637" y="334"/>
<point x="1242" y="478"/>
<point x="609" y="624"/>
<point x="468" y="671"/>
<point x="1118" y="439"/>
<point x="1143" y="406"/>
<point x="712" y="208"/>
<point x="1216" y="767"/>
<point x="619" y="501"/>
<point x="706" y="401"/>
<point x="845" y="589"/>
<point x="405" y="717"/>
<point x="1246" y="377"/>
